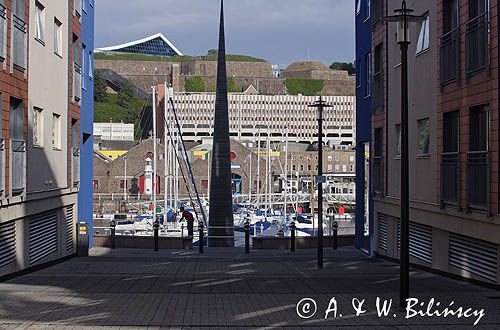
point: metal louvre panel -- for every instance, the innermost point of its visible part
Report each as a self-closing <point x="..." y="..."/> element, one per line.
<point x="43" y="236"/>
<point x="474" y="256"/>
<point x="382" y="231"/>
<point x="69" y="228"/>
<point x="7" y="244"/>
<point x="421" y="242"/>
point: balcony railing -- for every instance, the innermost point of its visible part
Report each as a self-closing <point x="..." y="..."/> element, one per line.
<point x="77" y="82"/>
<point x="2" y="166"/>
<point x="477" y="45"/>
<point x="19" y="43"/>
<point x="3" y="33"/>
<point x="75" y="166"/>
<point x="17" y="166"/>
<point x="450" y="179"/>
<point x="478" y="180"/>
<point x="450" y="57"/>
<point x="378" y="176"/>
<point x="378" y="91"/>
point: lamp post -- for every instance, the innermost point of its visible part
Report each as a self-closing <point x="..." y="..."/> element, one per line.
<point x="403" y="17"/>
<point x="320" y="105"/>
<point x="125" y="179"/>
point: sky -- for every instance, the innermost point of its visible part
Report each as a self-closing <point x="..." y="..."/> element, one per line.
<point x="280" y="31"/>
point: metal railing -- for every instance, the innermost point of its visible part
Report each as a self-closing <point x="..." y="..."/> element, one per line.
<point x="450" y="179"/>
<point x="19" y="43"/>
<point x="378" y="90"/>
<point x="3" y="32"/>
<point x="477" y="45"/>
<point x="77" y="81"/>
<point x="75" y="166"/>
<point x="378" y="176"/>
<point x="17" y="166"/>
<point x="449" y="68"/>
<point x="478" y="180"/>
<point x="2" y="166"/>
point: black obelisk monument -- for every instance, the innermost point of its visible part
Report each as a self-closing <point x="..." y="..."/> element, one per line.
<point x="221" y="225"/>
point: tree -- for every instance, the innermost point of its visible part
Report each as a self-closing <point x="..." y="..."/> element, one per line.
<point x="194" y="85"/>
<point x="212" y="52"/>
<point x="100" y="86"/>
<point x="307" y="87"/>
<point x="125" y="94"/>
<point x="349" y="67"/>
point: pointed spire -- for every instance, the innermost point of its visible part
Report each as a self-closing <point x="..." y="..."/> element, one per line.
<point x="221" y="224"/>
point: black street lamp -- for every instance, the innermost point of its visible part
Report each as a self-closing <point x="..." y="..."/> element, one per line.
<point x="403" y="17"/>
<point x="320" y="105"/>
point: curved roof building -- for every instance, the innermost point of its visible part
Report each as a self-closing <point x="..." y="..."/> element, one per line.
<point x="155" y="45"/>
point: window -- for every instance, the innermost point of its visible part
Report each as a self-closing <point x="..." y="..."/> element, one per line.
<point x="368" y="9"/>
<point x="450" y="15"/>
<point x="358" y="70"/>
<point x="330" y="158"/>
<point x="91" y="66"/>
<point x="56" y="131"/>
<point x="84" y="66"/>
<point x="478" y="129"/>
<point x="423" y="137"/>
<point x="122" y="184"/>
<point x="451" y="122"/>
<point x="37" y="127"/>
<point x="358" y="7"/>
<point x="337" y="158"/>
<point x="330" y="168"/>
<point x="344" y="168"/>
<point x="423" y="37"/>
<point x="398" y="141"/>
<point x="368" y="74"/>
<point x="19" y="8"/>
<point x="204" y="184"/>
<point x="39" y="22"/>
<point x="95" y="184"/>
<point x="16" y="119"/>
<point x="337" y="168"/>
<point x="351" y="168"/>
<point x="57" y="37"/>
<point x="351" y="159"/>
<point x="477" y="8"/>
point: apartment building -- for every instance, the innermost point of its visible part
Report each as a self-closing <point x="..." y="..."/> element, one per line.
<point x="364" y="200"/>
<point x="273" y="116"/>
<point x="453" y="136"/>
<point x="41" y="100"/>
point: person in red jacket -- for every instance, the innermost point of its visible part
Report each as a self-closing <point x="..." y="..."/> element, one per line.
<point x="189" y="218"/>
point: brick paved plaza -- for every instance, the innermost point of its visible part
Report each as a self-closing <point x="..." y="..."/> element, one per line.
<point x="228" y="289"/>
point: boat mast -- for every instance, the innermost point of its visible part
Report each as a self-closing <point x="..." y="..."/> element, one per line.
<point x="258" y="170"/>
<point x="165" y="98"/>
<point x="154" y="153"/>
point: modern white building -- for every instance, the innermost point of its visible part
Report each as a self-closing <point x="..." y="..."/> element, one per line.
<point x="114" y="131"/>
<point x="273" y="116"/>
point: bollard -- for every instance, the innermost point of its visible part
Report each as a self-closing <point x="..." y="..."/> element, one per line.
<point x="335" y="231"/>
<point x="292" y="237"/>
<point x="156" y="226"/>
<point x="200" y="239"/>
<point x="247" y="237"/>
<point x="113" y="234"/>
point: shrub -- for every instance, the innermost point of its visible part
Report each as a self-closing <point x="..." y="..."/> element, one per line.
<point x="194" y="85"/>
<point x="308" y="87"/>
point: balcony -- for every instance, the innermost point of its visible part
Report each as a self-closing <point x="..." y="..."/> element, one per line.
<point x="450" y="179"/>
<point x="478" y="180"/>
<point x="75" y="167"/>
<point x="19" y="43"/>
<point x="450" y="57"/>
<point x="378" y="91"/>
<point x="18" y="166"/>
<point x="477" y="45"/>
<point x="77" y="82"/>
<point x="378" y="176"/>
<point x="2" y="167"/>
<point x="3" y="33"/>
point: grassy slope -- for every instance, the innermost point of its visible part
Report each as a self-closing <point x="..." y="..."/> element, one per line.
<point x="139" y="57"/>
<point x="105" y="111"/>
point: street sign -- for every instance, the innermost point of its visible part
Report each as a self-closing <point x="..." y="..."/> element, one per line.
<point x="341" y="210"/>
<point x="320" y="179"/>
